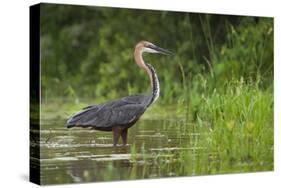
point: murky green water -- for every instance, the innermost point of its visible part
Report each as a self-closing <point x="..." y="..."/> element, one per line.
<point x="85" y="155"/>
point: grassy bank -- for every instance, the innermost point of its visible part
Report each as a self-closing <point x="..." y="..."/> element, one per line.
<point x="230" y="131"/>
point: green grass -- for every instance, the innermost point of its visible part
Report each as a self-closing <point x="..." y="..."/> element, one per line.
<point x="236" y="124"/>
<point x="239" y="123"/>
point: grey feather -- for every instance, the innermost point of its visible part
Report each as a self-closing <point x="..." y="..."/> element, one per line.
<point x="123" y="112"/>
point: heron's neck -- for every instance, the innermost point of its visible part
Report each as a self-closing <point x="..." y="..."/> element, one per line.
<point x="154" y="83"/>
<point x="152" y="75"/>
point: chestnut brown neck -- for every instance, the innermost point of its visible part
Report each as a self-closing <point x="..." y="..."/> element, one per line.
<point x="150" y="71"/>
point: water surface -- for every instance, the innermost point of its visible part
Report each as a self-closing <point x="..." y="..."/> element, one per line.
<point x="157" y="147"/>
<point x="86" y="155"/>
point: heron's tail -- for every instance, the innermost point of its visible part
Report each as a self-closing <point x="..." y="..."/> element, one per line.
<point x="69" y="125"/>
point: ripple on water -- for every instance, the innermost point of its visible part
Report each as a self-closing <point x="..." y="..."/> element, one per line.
<point x="59" y="145"/>
<point x="176" y="148"/>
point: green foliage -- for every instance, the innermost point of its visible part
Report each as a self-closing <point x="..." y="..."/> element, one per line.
<point x="87" y="52"/>
<point x="240" y="124"/>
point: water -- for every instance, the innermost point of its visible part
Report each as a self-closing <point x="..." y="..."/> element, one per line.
<point x="85" y="155"/>
<point x="158" y="146"/>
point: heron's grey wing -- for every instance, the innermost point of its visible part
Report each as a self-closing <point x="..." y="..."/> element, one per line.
<point x="110" y="116"/>
<point x="79" y="117"/>
<point x="126" y="114"/>
<point x="104" y="116"/>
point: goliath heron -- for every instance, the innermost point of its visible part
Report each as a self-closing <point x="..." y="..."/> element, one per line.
<point x="119" y="115"/>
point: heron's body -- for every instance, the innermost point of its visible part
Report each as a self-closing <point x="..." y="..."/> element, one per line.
<point x="119" y="115"/>
<point x="122" y="112"/>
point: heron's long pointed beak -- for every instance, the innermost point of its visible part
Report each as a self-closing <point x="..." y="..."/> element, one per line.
<point x="161" y="50"/>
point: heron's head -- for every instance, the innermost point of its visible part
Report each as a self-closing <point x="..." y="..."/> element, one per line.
<point x="145" y="46"/>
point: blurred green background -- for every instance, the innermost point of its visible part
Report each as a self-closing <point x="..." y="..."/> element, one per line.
<point x="87" y="52"/>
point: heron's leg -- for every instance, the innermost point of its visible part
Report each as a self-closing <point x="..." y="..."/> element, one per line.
<point x="124" y="136"/>
<point x="116" y="134"/>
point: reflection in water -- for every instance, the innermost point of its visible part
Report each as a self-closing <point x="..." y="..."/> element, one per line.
<point x="84" y="155"/>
